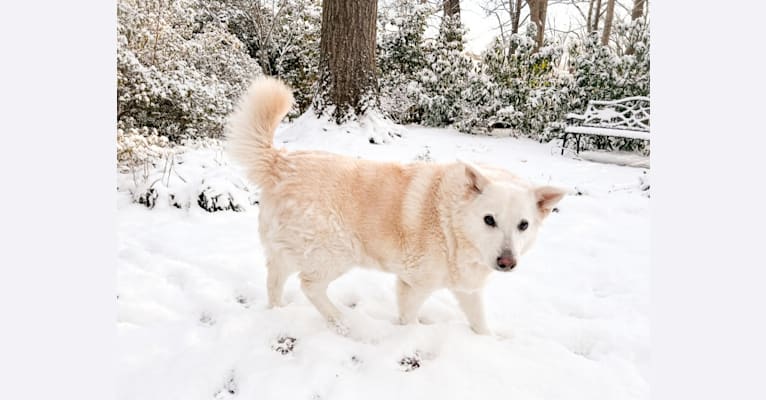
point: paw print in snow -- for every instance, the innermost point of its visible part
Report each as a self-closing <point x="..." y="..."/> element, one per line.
<point x="207" y="319"/>
<point x="243" y="301"/>
<point x="228" y="390"/>
<point x="284" y="345"/>
<point x="408" y="364"/>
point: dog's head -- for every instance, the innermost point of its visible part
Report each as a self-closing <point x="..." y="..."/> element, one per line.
<point x="503" y="214"/>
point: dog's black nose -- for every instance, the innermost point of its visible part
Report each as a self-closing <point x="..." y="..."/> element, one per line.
<point x="506" y="261"/>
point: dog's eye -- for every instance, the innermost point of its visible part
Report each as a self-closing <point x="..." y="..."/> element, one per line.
<point x="489" y="220"/>
<point x="523" y="225"/>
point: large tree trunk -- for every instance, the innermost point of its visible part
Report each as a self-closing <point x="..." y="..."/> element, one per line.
<point x="589" y="22"/>
<point x="452" y="8"/>
<point x="537" y="11"/>
<point x="608" y="23"/>
<point x="347" y="58"/>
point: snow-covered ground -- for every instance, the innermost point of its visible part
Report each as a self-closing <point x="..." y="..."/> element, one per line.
<point x="572" y="322"/>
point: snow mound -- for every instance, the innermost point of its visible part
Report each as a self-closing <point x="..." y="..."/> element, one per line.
<point x="192" y="177"/>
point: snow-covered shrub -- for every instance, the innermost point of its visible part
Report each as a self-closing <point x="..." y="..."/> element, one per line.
<point x="217" y="190"/>
<point x="531" y="95"/>
<point x="401" y="56"/>
<point x="481" y="102"/>
<point x="177" y="72"/>
<point x="160" y="174"/>
<point x="139" y="151"/>
<point x="220" y="190"/>
<point x="633" y="77"/>
<point x="595" y="71"/>
<point x="138" y="146"/>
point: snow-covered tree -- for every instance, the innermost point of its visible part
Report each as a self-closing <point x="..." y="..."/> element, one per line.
<point x="282" y="36"/>
<point x="445" y="75"/>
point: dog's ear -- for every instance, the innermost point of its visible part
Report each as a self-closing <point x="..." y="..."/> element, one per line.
<point x="476" y="180"/>
<point x="547" y="197"/>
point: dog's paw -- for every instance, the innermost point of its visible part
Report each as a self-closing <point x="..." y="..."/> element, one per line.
<point x="339" y="326"/>
<point x="482" y="330"/>
<point x="276" y="304"/>
<point x="426" y="321"/>
<point x="407" y="320"/>
<point x="503" y="334"/>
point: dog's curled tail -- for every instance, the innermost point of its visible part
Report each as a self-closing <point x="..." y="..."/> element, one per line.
<point x="250" y="129"/>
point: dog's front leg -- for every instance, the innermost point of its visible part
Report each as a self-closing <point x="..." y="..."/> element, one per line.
<point x="410" y="299"/>
<point x="472" y="304"/>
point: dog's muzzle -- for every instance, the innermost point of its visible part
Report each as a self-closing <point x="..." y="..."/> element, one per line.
<point x="506" y="261"/>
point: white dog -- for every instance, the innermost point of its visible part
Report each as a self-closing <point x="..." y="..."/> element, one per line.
<point x="433" y="225"/>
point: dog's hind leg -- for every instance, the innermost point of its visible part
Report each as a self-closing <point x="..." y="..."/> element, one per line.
<point x="314" y="286"/>
<point x="409" y="299"/>
<point x="472" y="304"/>
<point x="275" y="281"/>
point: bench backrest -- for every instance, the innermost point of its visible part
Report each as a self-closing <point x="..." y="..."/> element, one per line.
<point x="628" y="113"/>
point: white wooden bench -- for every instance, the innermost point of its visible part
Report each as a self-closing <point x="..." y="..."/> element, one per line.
<point x="625" y="118"/>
